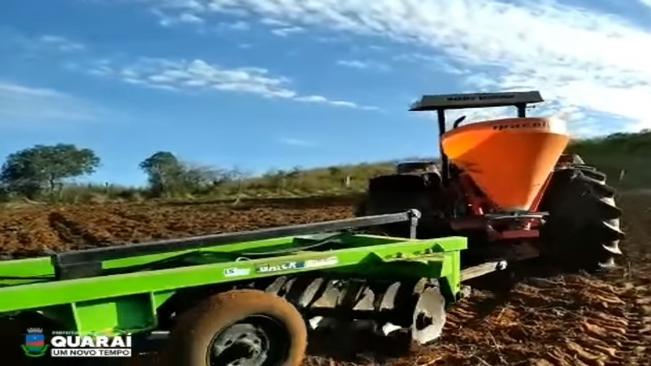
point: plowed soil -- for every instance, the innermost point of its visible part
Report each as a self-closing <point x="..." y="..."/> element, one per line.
<point x="529" y="316"/>
<point x="38" y="229"/>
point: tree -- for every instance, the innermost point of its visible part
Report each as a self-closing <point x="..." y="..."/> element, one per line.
<point x="335" y="171"/>
<point x="199" y="178"/>
<point x="29" y="171"/>
<point x="170" y="176"/>
<point x="165" y="172"/>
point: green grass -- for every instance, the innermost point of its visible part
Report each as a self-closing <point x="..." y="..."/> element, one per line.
<point x="333" y="180"/>
<point x="85" y="193"/>
<point x="620" y="155"/>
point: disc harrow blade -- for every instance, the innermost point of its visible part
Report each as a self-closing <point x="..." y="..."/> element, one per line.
<point x="417" y="307"/>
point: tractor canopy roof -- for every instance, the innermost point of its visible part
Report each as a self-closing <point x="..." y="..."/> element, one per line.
<point x="475" y="100"/>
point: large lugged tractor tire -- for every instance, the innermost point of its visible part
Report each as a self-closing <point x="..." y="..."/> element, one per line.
<point x="239" y="327"/>
<point x="583" y="228"/>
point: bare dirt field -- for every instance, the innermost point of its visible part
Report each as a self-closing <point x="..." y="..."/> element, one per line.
<point x="531" y="316"/>
<point x="33" y="230"/>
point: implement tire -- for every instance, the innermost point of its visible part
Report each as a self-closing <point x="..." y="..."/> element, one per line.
<point x="583" y="229"/>
<point x="252" y="326"/>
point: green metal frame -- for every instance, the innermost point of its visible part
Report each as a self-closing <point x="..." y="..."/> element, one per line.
<point x="127" y="299"/>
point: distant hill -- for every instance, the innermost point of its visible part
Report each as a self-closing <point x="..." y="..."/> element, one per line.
<point x="621" y="155"/>
<point x="624" y="157"/>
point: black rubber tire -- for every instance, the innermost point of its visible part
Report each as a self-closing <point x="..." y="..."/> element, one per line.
<point x="196" y="328"/>
<point x="583" y="228"/>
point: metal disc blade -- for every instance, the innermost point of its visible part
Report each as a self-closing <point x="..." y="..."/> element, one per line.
<point x="429" y="316"/>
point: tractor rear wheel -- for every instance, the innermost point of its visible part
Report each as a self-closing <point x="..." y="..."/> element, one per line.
<point x="239" y="327"/>
<point x="583" y="228"/>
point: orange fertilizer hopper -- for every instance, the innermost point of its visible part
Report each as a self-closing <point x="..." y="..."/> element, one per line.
<point x="509" y="159"/>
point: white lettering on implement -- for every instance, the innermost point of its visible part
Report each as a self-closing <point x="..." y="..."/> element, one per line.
<point x="321" y="262"/>
<point x="277" y="267"/>
<point x="236" y="272"/>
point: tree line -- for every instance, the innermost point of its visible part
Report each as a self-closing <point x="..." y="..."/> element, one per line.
<point x="44" y="170"/>
<point x="47" y="172"/>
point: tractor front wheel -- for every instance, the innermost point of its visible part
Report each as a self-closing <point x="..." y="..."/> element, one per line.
<point x="239" y="327"/>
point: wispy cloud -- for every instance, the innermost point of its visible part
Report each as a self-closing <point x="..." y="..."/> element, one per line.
<point x="287" y="31"/>
<point x="237" y="25"/>
<point x="274" y="22"/>
<point x="576" y="56"/>
<point x="363" y="65"/>
<point x="44" y="43"/>
<point x="199" y="75"/>
<point x="166" y="19"/>
<point x="295" y="142"/>
<point x="61" y="43"/>
<point x="19" y="103"/>
<point x="435" y="62"/>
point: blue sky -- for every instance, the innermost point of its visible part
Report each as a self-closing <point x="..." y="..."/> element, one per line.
<point x="262" y="84"/>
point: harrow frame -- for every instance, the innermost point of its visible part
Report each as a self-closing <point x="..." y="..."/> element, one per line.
<point x="120" y="289"/>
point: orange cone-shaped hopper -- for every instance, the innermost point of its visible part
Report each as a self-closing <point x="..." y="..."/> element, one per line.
<point x="509" y="159"/>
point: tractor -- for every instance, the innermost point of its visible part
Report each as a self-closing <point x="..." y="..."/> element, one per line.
<point x="507" y="185"/>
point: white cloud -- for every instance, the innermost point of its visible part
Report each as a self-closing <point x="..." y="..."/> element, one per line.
<point x="331" y="39"/>
<point x="190" y="18"/>
<point x="25" y="103"/>
<point x="574" y="55"/>
<point x="355" y="64"/>
<point x="295" y="142"/>
<point x="238" y="26"/>
<point x="38" y="44"/>
<point x="273" y="22"/>
<point x="167" y="19"/>
<point x="436" y="62"/>
<point x="177" y="75"/>
<point x="312" y="99"/>
<point x="284" y="32"/>
<point x="61" y="43"/>
<point x="363" y="65"/>
<point x="375" y="47"/>
<point x="194" y="5"/>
